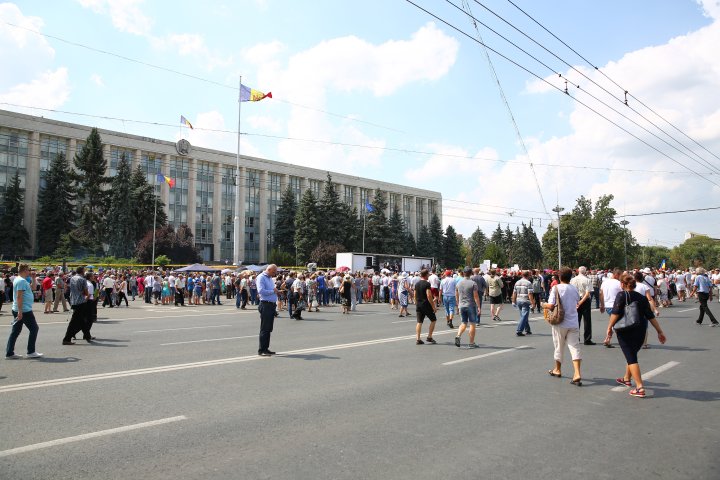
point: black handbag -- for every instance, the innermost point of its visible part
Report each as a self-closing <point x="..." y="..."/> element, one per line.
<point x="631" y="318"/>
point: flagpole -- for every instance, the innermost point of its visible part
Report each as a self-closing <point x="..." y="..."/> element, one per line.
<point x="236" y="220"/>
<point x="154" y="226"/>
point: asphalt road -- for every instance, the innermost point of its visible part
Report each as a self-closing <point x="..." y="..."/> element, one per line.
<point x="168" y="393"/>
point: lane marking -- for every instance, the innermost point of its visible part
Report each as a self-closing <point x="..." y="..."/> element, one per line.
<point x="688" y="310"/>
<point x="405" y="321"/>
<point x="87" y="436"/>
<point x="651" y="374"/>
<point x="498" y="352"/>
<point x="171" y="317"/>
<point x="208" y="363"/>
<point x="183" y="328"/>
<point x="208" y="340"/>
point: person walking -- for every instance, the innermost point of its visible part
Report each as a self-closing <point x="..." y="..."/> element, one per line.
<point x="108" y="284"/>
<point x="180" y="290"/>
<point x="631" y="340"/>
<point x="47" y="291"/>
<point x="467" y="296"/>
<point x="609" y="288"/>
<point x="495" y="286"/>
<point x="79" y="296"/>
<point x="523" y="298"/>
<point x="447" y="291"/>
<point x="346" y="294"/>
<point x="584" y="308"/>
<point x="268" y="302"/>
<point x="703" y="288"/>
<point x="566" y="332"/>
<point x="122" y="291"/>
<point x="23" y="298"/>
<point x="425" y="307"/>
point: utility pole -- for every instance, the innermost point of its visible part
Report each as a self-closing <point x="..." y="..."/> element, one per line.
<point x="557" y="210"/>
<point x="624" y="223"/>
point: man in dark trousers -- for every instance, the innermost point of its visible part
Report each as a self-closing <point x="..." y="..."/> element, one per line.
<point x="79" y="303"/>
<point x="268" y="303"/>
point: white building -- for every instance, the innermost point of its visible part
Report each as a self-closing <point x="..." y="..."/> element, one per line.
<point x="204" y="193"/>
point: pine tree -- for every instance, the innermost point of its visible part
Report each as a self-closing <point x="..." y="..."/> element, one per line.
<point x="409" y="245"/>
<point x="56" y="210"/>
<point x="424" y="244"/>
<point x="436" y="236"/>
<point x="90" y="182"/>
<point x="376" y="228"/>
<point x="497" y="236"/>
<point x="353" y="230"/>
<point x="14" y="239"/>
<point x="306" y="226"/>
<point x="478" y="244"/>
<point x="285" y="222"/>
<point x="508" y="242"/>
<point x="333" y="225"/>
<point x="142" y="205"/>
<point x="396" y="234"/>
<point x="496" y="254"/>
<point x="123" y="232"/>
<point x="451" y="256"/>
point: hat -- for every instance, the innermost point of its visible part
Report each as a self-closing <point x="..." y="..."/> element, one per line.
<point x="468" y="270"/>
<point x="448" y="273"/>
<point x="647" y="270"/>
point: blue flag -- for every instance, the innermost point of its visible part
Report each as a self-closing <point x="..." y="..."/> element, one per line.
<point x="369" y="208"/>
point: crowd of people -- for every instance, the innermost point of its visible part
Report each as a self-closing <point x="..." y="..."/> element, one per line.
<point x="460" y="293"/>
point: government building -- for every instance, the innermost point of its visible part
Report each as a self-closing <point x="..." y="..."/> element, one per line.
<point x="204" y="192"/>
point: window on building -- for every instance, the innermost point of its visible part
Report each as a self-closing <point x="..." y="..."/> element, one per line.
<point x="13" y="159"/>
<point x="178" y="195"/>
<point x="349" y="195"/>
<point x="116" y="153"/>
<point x="50" y="147"/>
<point x="252" y="216"/>
<point x="274" y="195"/>
<point x="316" y="186"/>
<point x="295" y="183"/>
<point x="204" y="192"/>
<point x="419" y="215"/>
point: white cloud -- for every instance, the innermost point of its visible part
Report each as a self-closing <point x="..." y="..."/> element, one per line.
<point x="451" y="160"/>
<point x="269" y="124"/>
<point x="711" y="8"/>
<point x="97" y="80"/>
<point x="346" y="64"/>
<point x="679" y="80"/>
<point x="50" y="89"/>
<point x="126" y="15"/>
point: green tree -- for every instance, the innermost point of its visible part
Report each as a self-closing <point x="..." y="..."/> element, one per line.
<point x="162" y="261"/>
<point x="496" y="254"/>
<point x="142" y="205"/>
<point x="56" y="210"/>
<point x="307" y="225"/>
<point x="436" y="236"/>
<point x="409" y="245"/>
<point x="353" y="229"/>
<point x="376" y="226"/>
<point x="333" y="225"/>
<point x="651" y="256"/>
<point x="478" y="243"/>
<point x="325" y="253"/>
<point x="451" y="255"/>
<point x="90" y="182"/>
<point x="527" y="250"/>
<point x="285" y="222"/>
<point x="697" y="251"/>
<point x="123" y="234"/>
<point x="508" y="244"/>
<point x="178" y="245"/>
<point x="14" y="239"/>
<point x="424" y="244"/>
<point x="396" y="238"/>
<point x="280" y="258"/>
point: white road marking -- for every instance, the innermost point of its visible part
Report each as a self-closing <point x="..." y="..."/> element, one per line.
<point x="184" y="366"/>
<point x="207" y="340"/>
<point x="688" y="310"/>
<point x="498" y="352"/>
<point x="405" y="321"/>
<point x="87" y="436"/>
<point x="171" y="317"/>
<point x="651" y="374"/>
<point x="184" y="328"/>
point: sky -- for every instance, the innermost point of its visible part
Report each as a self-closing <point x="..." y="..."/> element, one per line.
<point x="383" y="90"/>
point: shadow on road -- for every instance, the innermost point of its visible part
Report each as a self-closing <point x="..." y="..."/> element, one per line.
<point x="312" y="356"/>
<point x="58" y="360"/>
<point x="697" y="395"/>
<point x="679" y="348"/>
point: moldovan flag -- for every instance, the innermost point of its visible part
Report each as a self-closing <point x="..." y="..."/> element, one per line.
<point x="248" y="94"/>
<point x="168" y="180"/>
<point x="185" y="122"/>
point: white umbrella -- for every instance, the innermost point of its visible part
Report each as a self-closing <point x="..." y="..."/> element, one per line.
<point x="227" y="270"/>
<point x="384" y="270"/>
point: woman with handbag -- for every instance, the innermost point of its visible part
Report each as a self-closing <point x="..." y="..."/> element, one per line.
<point x="563" y="318"/>
<point x="631" y="313"/>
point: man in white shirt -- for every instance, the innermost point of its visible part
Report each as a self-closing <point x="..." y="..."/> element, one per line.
<point x="109" y="286"/>
<point x="376" y="288"/>
<point x="583" y="284"/>
<point x="180" y="291"/>
<point x="148" y="282"/>
<point x="447" y="289"/>
<point x="608" y="291"/>
<point x="435" y="287"/>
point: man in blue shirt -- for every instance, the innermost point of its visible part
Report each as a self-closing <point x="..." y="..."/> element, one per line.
<point x="268" y="303"/>
<point x="22" y="314"/>
<point x="703" y="288"/>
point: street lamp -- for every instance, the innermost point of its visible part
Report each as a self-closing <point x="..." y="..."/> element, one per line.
<point x="624" y="223"/>
<point x="557" y="210"/>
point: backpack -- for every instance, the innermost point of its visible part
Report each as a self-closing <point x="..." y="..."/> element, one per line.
<point x="536" y="285"/>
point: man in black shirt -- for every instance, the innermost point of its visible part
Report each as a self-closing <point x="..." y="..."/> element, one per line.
<point x="425" y="307"/>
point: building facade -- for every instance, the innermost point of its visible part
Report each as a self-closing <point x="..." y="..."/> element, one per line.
<point x="205" y="183"/>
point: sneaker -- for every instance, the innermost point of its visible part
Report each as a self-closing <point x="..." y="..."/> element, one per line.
<point x="528" y="332"/>
<point x="519" y="334"/>
<point x="457" y="341"/>
<point x="473" y="345"/>
<point x="430" y="340"/>
<point x="35" y="355"/>
<point x="14" y="356"/>
<point x="715" y="324"/>
<point x="419" y="342"/>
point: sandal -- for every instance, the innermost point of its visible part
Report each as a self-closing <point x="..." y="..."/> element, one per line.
<point x="638" y="392"/>
<point x="553" y="374"/>
<point x="622" y="381"/>
<point x="577" y="382"/>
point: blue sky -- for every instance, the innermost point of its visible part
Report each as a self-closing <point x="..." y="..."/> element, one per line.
<point x="413" y="82"/>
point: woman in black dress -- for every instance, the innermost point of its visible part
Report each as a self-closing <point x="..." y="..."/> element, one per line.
<point x="346" y="293"/>
<point x="632" y="339"/>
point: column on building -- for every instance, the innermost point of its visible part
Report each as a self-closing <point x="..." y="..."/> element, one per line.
<point x="137" y="159"/>
<point x="356" y="200"/>
<point x="192" y="194"/>
<point x="241" y="192"/>
<point x="32" y="185"/>
<point x="413" y="217"/>
<point x="264" y="195"/>
<point x="216" y="171"/>
<point x="72" y="151"/>
<point x="284" y="182"/>
<point x="426" y="211"/>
